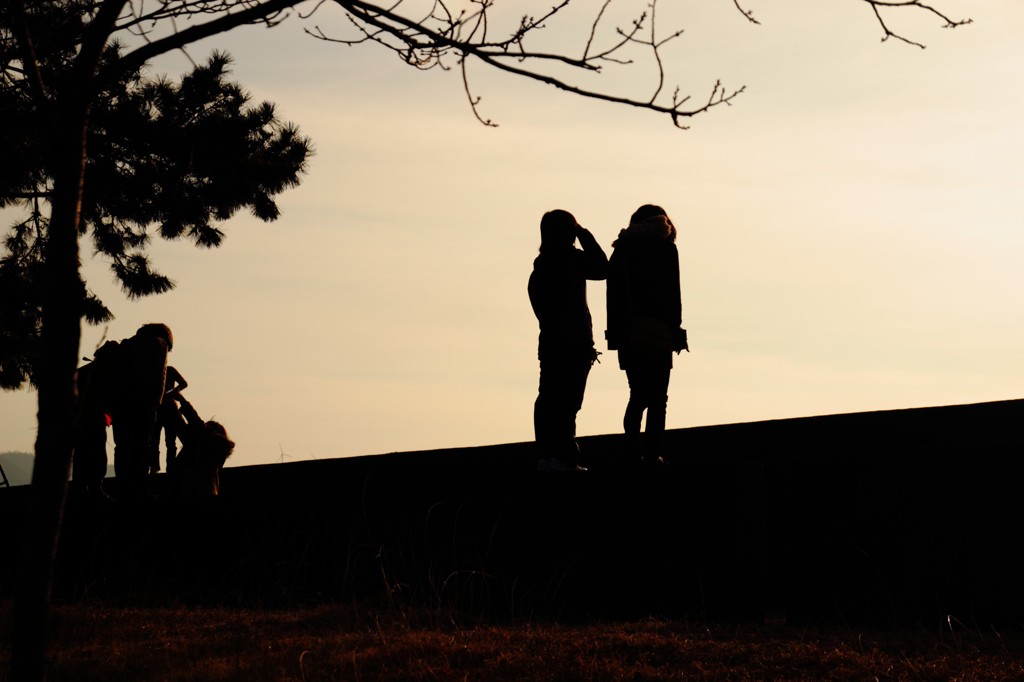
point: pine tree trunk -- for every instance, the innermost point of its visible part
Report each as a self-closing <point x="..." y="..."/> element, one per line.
<point x="63" y="293"/>
<point x="63" y="296"/>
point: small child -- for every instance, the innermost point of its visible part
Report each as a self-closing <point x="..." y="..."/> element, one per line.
<point x="205" y="447"/>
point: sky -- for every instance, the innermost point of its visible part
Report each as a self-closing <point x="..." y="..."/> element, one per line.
<point x="849" y="231"/>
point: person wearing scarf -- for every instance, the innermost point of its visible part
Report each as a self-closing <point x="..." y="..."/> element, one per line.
<point x="644" y="323"/>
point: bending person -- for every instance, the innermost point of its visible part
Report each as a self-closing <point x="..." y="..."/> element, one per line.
<point x="205" y="447"/>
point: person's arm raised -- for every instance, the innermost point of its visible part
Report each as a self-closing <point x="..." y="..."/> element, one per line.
<point x="595" y="260"/>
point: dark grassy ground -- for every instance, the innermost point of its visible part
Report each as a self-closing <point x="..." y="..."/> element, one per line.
<point x="331" y="643"/>
<point x="872" y="519"/>
<point x="886" y="540"/>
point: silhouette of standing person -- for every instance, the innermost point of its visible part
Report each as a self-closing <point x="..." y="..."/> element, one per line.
<point x="558" y="294"/>
<point x="96" y="385"/>
<point x="644" y="323"/>
<point x="174" y="384"/>
<point x="142" y="377"/>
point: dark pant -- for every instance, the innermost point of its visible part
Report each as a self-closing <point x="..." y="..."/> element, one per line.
<point x="133" y="432"/>
<point x="89" y="461"/>
<point x="648" y="377"/>
<point x="166" y="418"/>
<point x="563" y="381"/>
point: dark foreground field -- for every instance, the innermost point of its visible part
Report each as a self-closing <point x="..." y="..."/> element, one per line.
<point x="877" y="545"/>
<point x="330" y="643"/>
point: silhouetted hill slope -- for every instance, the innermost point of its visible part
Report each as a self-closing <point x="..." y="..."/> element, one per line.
<point x="932" y="428"/>
<point x="881" y="517"/>
<point x="17" y="467"/>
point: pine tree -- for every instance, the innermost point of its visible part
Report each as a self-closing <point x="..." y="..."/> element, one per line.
<point x="165" y="158"/>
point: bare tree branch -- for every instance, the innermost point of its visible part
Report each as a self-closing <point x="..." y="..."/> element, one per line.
<point x="655" y="46"/>
<point x="474" y="101"/>
<point x="268" y="12"/>
<point x="877" y="5"/>
<point x="626" y="38"/>
<point x="746" y="13"/>
<point x="427" y="44"/>
<point x="593" y="29"/>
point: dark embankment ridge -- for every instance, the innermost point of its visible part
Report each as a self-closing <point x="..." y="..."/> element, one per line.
<point x="879" y="518"/>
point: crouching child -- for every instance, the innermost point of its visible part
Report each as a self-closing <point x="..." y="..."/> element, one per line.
<point x="205" y="446"/>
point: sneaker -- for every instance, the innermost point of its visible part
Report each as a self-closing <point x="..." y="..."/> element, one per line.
<point x="560" y="465"/>
<point x="96" y="493"/>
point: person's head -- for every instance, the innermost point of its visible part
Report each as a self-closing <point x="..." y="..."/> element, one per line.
<point x="216" y="444"/>
<point x="557" y="230"/>
<point x="645" y="212"/>
<point x="159" y="330"/>
<point x="655" y="217"/>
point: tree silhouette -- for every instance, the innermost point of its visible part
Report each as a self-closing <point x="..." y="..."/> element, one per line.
<point x="68" y="106"/>
<point x="163" y="157"/>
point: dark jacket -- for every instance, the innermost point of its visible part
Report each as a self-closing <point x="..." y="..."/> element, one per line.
<point x="204" y="449"/>
<point x="558" y="293"/>
<point x="143" y="374"/>
<point x="644" y="303"/>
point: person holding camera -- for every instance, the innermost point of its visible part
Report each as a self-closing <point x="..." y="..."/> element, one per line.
<point x="644" y="323"/>
<point x="558" y="294"/>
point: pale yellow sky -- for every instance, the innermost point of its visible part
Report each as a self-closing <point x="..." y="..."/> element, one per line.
<point x="850" y="235"/>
